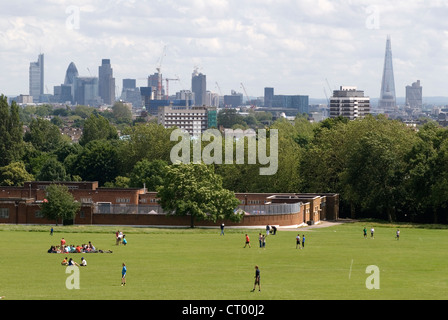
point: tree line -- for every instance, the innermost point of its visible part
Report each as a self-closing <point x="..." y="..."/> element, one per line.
<point x="380" y="167"/>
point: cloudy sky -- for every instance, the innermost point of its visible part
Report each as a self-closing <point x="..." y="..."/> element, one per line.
<point x="295" y="46"/>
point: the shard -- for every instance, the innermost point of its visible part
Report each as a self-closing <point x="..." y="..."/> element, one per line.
<point x="387" y="101"/>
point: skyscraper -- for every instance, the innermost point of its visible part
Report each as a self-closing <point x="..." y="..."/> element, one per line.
<point x="199" y="88"/>
<point x="106" y="82"/>
<point x="387" y="100"/>
<point x="36" y="75"/>
<point x="414" y="97"/>
<point x="71" y="74"/>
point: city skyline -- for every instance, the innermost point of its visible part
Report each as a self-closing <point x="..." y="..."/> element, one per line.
<point x="293" y="46"/>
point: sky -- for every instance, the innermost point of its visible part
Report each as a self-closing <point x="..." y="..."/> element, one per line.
<point x="306" y="47"/>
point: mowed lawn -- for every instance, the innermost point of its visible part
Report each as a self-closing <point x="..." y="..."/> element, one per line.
<point x="198" y="264"/>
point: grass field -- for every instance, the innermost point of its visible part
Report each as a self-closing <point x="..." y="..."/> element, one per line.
<point x="199" y="264"/>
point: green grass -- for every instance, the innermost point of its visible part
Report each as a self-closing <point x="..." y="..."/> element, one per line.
<point x="193" y="264"/>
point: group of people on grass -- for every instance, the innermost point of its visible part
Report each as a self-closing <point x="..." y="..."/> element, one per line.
<point x="71" y="262"/>
<point x="64" y="248"/>
<point x="120" y="238"/>
<point x="372" y="231"/>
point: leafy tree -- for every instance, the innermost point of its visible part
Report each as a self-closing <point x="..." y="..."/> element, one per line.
<point x="148" y="173"/>
<point x="146" y="141"/>
<point x="44" y="135"/>
<point x="121" y="113"/>
<point x="11" y="142"/>
<point x="14" y="174"/>
<point x="53" y="170"/>
<point x="97" y="127"/>
<point x="59" y="203"/>
<point x="195" y="190"/>
<point x="230" y="117"/>
<point x="98" y="161"/>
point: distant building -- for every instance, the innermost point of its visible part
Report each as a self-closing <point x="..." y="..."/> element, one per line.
<point x="233" y="100"/>
<point x="291" y="105"/>
<point x="199" y="88"/>
<point x="414" y="97"/>
<point x="131" y="93"/>
<point x="36" y="78"/>
<point x="155" y="82"/>
<point x="268" y="97"/>
<point x="387" y="101"/>
<point x="350" y="103"/>
<point x="194" y="120"/>
<point x="24" y="99"/>
<point x="86" y="91"/>
<point x="106" y="82"/>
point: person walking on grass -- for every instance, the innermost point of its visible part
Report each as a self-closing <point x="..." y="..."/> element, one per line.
<point x="247" y="241"/>
<point x="123" y="274"/>
<point x="398" y="234"/>
<point x="257" y="279"/>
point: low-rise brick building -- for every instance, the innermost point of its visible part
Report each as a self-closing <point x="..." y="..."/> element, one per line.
<point x="137" y="206"/>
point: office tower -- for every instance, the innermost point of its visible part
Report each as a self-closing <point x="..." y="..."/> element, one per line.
<point x="36" y="78"/>
<point x="387" y="100"/>
<point x="268" y="97"/>
<point x="70" y="74"/>
<point x="199" y="88"/>
<point x="233" y="100"/>
<point x="414" y="97"/>
<point x="106" y="82"/>
<point x="349" y="102"/>
<point x="86" y="91"/>
<point x="131" y="93"/>
<point x="155" y="82"/>
<point x="129" y="84"/>
<point x="290" y="104"/>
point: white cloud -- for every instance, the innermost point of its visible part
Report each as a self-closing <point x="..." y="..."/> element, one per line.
<point x="288" y="44"/>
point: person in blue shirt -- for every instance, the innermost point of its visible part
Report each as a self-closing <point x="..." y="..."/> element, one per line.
<point x="123" y="275"/>
<point x="303" y="241"/>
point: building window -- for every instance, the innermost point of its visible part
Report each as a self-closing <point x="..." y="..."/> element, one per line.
<point x="4" y="213"/>
<point x="38" y="214"/>
<point x="86" y="200"/>
<point x="123" y="200"/>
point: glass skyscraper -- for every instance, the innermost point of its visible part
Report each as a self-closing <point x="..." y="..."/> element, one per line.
<point x="36" y="81"/>
<point x="387" y="100"/>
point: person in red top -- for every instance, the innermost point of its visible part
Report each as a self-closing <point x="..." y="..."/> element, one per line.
<point x="247" y="241"/>
<point x="62" y="244"/>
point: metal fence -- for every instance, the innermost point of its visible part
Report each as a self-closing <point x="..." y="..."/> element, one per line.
<point x="262" y="209"/>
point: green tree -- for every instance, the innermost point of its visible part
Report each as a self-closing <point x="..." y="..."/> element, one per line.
<point x="146" y="141"/>
<point x="53" y="170"/>
<point x="97" y="127"/>
<point x="148" y="173"/>
<point x="121" y="113"/>
<point x="59" y="203"/>
<point x="44" y="135"/>
<point x="14" y="174"/>
<point x="98" y="161"/>
<point x="195" y="190"/>
<point x="11" y="141"/>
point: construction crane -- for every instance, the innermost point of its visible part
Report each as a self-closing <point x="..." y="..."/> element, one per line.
<point x="217" y="85"/>
<point x="326" y="96"/>
<point x="167" y="81"/>
<point x="247" y="97"/>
